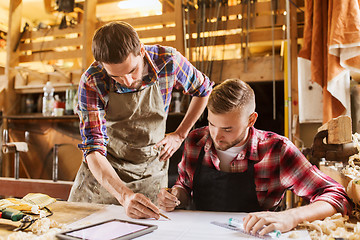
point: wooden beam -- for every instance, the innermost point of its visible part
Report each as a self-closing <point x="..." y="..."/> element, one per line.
<point x="46" y="45"/>
<point x="294" y="34"/>
<point x="89" y="23"/>
<point x="11" y="101"/>
<point x="157" y="32"/>
<point x="54" y="31"/>
<point x="46" y="56"/>
<point x="10" y="187"/>
<point x="180" y="40"/>
<point x="165" y="18"/>
<point x="12" y="59"/>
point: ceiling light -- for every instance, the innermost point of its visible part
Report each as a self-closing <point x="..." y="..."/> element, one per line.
<point x="128" y="4"/>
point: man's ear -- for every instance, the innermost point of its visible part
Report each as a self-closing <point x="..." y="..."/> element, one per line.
<point x="252" y="119"/>
<point x="142" y="50"/>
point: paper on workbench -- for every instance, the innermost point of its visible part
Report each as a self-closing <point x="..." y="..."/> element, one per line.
<point x="184" y="224"/>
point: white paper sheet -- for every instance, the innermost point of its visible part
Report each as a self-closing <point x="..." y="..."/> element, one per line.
<point x="184" y="224"/>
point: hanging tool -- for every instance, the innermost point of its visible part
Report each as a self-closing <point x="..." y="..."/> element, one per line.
<point x="188" y="30"/>
<point x="213" y="38"/>
<point x="183" y="9"/>
<point x="242" y="28"/>
<point x="26" y="27"/>
<point x="198" y="18"/>
<point x="203" y="30"/>
<point x="226" y="5"/>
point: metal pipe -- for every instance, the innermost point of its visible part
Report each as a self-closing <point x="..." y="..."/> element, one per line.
<point x="16" y="165"/>
<point x="55" y="163"/>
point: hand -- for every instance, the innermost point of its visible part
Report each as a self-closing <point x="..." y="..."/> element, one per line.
<point x="168" y="201"/>
<point x="170" y="143"/>
<point x="138" y="206"/>
<point x="266" y="222"/>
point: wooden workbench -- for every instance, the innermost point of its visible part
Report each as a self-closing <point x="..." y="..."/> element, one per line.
<point x="64" y="212"/>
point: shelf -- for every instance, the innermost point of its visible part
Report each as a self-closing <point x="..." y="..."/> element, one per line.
<point x="39" y="116"/>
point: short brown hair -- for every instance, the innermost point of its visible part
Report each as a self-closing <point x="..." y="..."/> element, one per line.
<point x="232" y="94"/>
<point x="113" y="42"/>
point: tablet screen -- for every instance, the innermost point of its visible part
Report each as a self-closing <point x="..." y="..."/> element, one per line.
<point x="114" y="229"/>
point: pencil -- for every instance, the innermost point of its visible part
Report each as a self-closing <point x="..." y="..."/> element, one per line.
<point x="164" y="216"/>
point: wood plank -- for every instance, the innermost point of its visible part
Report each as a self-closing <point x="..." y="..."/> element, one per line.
<point x="54" y="31"/>
<point x="165" y="18"/>
<point x="10" y="187"/>
<point x="335" y="174"/>
<point x="157" y="32"/>
<point x="46" y="45"/>
<point x="259" y="69"/>
<point x="339" y="130"/>
<point x="257" y="36"/>
<point x="163" y="43"/>
<point x="46" y="56"/>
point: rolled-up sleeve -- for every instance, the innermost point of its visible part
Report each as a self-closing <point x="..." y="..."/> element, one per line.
<point x="91" y="111"/>
<point x="307" y="181"/>
<point x="192" y="80"/>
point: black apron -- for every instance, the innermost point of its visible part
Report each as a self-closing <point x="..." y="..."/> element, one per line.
<point x="215" y="190"/>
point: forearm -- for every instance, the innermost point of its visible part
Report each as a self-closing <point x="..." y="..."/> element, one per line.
<point x="106" y="176"/>
<point x="196" y="108"/>
<point x="314" y="211"/>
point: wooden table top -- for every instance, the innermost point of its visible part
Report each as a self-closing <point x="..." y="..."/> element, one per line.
<point x="64" y="212"/>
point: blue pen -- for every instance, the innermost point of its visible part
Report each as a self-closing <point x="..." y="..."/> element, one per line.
<point x="239" y="223"/>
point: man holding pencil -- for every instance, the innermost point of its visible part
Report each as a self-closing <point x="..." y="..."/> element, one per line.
<point x="124" y="99"/>
<point x="232" y="166"/>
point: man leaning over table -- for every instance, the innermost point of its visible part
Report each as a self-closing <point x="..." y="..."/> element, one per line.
<point x="231" y="166"/>
<point x="124" y="98"/>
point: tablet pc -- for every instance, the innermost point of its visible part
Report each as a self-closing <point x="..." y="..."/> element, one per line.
<point x="111" y="229"/>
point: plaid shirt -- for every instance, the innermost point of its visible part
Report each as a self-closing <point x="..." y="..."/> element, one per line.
<point x="165" y="65"/>
<point x="279" y="166"/>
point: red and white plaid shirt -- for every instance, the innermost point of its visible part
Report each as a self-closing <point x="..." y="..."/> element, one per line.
<point x="280" y="166"/>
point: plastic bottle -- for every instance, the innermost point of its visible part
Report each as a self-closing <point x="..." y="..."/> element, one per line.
<point x="48" y="100"/>
<point x="69" y="96"/>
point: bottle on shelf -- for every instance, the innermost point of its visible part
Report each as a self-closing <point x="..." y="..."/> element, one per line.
<point x="69" y="100"/>
<point x="48" y="99"/>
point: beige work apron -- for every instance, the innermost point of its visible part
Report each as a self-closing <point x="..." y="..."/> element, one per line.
<point x="135" y="122"/>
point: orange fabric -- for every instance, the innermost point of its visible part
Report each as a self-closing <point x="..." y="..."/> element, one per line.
<point x="332" y="44"/>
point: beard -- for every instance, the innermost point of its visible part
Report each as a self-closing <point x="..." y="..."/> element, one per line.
<point x="223" y="146"/>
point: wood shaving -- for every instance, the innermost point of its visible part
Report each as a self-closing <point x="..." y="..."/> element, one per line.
<point x="352" y="170"/>
<point x="42" y="229"/>
<point x="336" y="226"/>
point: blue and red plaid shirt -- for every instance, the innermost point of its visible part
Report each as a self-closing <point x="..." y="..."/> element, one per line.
<point x="279" y="166"/>
<point x="165" y="65"/>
